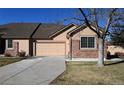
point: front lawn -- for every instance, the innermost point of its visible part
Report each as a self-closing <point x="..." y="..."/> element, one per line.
<point x="8" y="60"/>
<point x="80" y="73"/>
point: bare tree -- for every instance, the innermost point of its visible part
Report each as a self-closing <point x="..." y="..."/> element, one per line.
<point x="117" y="34"/>
<point x="97" y="18"/>
<point x="104" y="18"/>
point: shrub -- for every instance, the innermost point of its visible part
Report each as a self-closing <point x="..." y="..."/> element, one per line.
<point x="108" y="55"/>
<point x="120" y="54"/>
<point x="22" y="53"/>
<point x="7" y="54"/>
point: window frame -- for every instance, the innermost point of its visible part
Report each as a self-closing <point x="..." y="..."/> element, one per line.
<point x="88" y="47"/>
<point x="7" y="44"/>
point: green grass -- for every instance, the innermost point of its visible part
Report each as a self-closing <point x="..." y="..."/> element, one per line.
<point x="8" y="60"/>
<point x="80" y="73"/>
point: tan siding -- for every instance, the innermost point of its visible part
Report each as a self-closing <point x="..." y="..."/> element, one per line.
<point x="84" y="32"/>
<point x="63" y="37"/>
<point x="23" y="45"/>
<point x="59" y="38"/>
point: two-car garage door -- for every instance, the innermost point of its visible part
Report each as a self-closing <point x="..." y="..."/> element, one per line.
<point x="50" y="49"/>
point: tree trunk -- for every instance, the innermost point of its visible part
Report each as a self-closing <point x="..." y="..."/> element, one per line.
<point x="101" y="52"/>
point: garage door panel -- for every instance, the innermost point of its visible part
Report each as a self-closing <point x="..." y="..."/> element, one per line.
<point x="50" y="49"/>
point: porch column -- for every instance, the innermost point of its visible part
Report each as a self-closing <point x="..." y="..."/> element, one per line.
<point x="70" y="40"/>
<point x="30" y="47"/>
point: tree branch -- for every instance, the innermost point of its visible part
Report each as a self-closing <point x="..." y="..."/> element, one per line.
<point x="96" y="20"/>
<point x="78" y="19"/>
<point x="87" y="22"/>
<point x="109" y="21"/>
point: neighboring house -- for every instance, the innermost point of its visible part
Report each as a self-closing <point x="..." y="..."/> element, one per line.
<point x="50" y="40"/>
<point x="113" y="49"/>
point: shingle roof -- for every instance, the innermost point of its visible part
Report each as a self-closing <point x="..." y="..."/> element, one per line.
<point x="18" y="30"/>
<point x="25" y="30"/>
<point x="46" y="30"/>
<point x="33" y="30"/>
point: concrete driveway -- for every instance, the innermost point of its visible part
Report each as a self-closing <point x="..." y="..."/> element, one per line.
<point x="33" y="71"/>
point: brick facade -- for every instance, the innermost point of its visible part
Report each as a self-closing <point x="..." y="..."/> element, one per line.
<point x="13" y="51"/>
<point x="83" y="53"/>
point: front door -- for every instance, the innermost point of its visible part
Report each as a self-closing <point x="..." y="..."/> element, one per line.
<point x="2" y="46"/>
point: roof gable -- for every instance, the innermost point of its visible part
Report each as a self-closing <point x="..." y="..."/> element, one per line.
<point x="78" y="29"/>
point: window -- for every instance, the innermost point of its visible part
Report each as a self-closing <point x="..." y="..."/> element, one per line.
<point x="87" y="42"/>
<point x="10" y="43"/>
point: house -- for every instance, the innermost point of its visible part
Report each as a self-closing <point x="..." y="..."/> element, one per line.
<point x="42" y="39"/>
<point x="113" y="49"/>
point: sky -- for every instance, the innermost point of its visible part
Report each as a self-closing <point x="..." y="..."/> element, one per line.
<point x="42" y="15"/>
